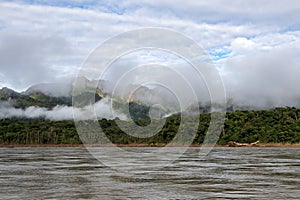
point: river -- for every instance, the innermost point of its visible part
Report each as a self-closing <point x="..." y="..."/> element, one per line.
<point x="225" y="173"/>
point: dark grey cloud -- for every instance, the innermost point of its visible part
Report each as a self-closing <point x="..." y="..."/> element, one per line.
<point x="27" y="59"/>
<point x="265" y="79"/>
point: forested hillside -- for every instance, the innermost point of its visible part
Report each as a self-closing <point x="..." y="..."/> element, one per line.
<point x="281" y="125"/>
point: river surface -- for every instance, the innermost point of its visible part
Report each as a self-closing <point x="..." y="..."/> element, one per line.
<point x="225" y="173"/>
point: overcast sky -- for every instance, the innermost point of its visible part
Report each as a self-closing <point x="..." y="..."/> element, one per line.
<point x="255" y="44"/>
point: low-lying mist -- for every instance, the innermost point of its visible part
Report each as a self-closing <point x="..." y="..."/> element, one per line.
<point x="100" y="109"/>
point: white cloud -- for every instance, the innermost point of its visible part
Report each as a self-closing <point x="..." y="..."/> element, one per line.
<point x="242" y="45"/>
<point x="277" y="12"/>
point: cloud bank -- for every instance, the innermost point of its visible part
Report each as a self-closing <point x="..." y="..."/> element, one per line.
<point x="100" y="109"/>
<point x="263" y="78"/>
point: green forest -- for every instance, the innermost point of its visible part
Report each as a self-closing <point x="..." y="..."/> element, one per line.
<point x="280" y="125"/>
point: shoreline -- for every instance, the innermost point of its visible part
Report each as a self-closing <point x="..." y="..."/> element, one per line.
<point x="267" y="145"/>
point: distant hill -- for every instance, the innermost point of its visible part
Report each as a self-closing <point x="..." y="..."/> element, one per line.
<point x="137" y="110"/>
<point x="51" y="89"/>
<point x="23" y="100"/>
<point x="138" y="103"/>
<point x="46" y="95"/>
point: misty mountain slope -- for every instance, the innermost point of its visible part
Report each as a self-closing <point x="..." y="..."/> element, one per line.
<point x="37" y="104"/>
<point x="37" y="99"/>
<point x="6" y="93"/>
<point x="63" y="89"/>
<point x="51" y="89"/>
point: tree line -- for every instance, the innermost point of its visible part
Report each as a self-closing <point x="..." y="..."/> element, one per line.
<point x="280" y="125"/>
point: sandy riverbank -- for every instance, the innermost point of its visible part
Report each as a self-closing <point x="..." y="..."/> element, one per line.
<point x="268" y="145"/>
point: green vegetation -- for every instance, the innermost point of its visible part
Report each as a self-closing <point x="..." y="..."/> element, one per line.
<point x="281" y="125"/>
<point x="19" y="100"/>
<point x="37" y="131"/>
